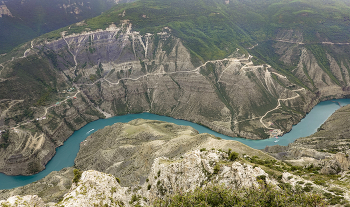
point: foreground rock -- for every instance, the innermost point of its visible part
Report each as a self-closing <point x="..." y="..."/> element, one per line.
<point x="129" y="150"/>
<point x="167" y="176"/>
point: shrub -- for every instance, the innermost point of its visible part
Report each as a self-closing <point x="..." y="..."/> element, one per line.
<point x="203" y="149"/>
<point x="134" y="198"/>
<point x="233" y="156"/>
<point x="77" y="175"/>
<point x="216" y="168"/>
<point x="118" y="180"/>
<point x="308" y="188"/>
<point x="113" y="190"/>
<point x="149" y="187"/>
<point x="221" y="195"/>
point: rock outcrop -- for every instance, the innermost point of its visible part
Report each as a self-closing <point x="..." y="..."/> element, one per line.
<point x="194" y="169"/>
<point x="4" y="11"/>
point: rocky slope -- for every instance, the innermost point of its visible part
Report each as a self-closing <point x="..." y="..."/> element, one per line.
<point x="27" y="148"/>
<point x="128" y="151"/>
<point x="168" y="176"/>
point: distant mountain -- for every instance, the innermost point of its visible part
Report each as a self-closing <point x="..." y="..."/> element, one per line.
<point x="22" y="20"/>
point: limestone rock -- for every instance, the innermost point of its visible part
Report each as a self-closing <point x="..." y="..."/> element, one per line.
<point x="28" y="200"/>
<point x="96" y="188"/>
<point x="197" y="169"/>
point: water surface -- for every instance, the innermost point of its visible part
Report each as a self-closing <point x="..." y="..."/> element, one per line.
<point x="66" y="154"/>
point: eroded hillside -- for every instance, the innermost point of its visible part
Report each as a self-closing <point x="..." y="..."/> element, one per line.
<point x="129" y="61"/>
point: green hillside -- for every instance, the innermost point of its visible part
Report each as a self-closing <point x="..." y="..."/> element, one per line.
<point x="212" y="29"/>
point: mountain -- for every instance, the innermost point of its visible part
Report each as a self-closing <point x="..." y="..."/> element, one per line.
<point x="242" y="68"/>
<point x="22" y="20"/>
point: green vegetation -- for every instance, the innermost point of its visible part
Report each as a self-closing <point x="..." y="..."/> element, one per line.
<point x="232" y="155"/>
<point x="118" y="180"/>
<point x="213" y="29"/>
<point x="34" y="72"/>
<point x="5" y="139"/>
<point x="77" y="175"/>
<point x="135" y="198"/>
<point x="34" y="18"/>
<point x="216" y="168"/>
<point x="220" y="195"/>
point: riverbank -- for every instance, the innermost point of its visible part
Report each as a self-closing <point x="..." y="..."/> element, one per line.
<point x="66" y="154"/>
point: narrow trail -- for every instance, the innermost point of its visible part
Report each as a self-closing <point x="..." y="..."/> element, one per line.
<point x="249" y="48"/>
<point x="196" y="70"/>
<point x="301" y="43"/>
<point x="65" y="100"/>
<point x="232" y="61"/>
<point x="287" y="41"/>
<point x="46" y="110"/>
<point x="13" y="102"/>
<point x="282" y="76"/>
<point x="278" y="106"/>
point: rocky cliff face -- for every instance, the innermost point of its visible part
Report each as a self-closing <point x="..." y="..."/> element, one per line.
<point x="4" y="11"/>
<point x="28" y="148"/>
<point x="123" y="72"/>
<point x="120" y="71"/>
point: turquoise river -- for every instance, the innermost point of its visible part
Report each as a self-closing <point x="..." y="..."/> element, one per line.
<point x="66" y="154"/>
